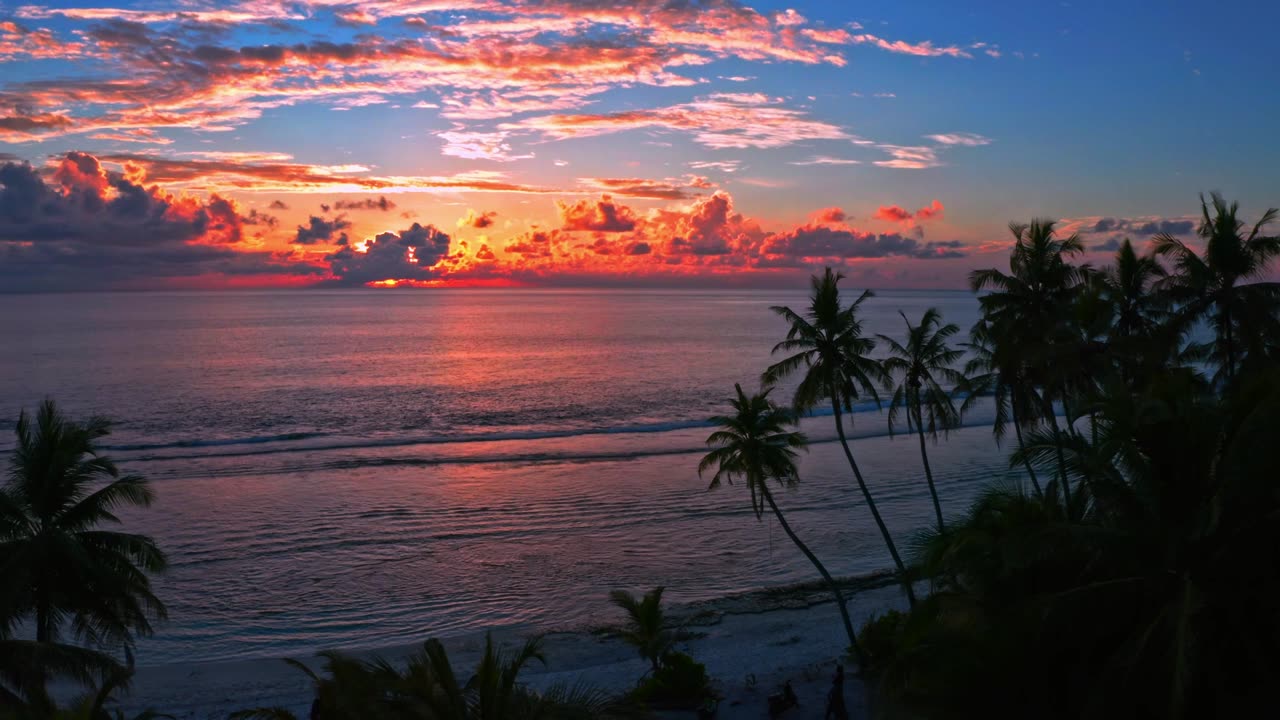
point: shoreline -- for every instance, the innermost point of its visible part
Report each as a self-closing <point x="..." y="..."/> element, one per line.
<point x="751" y="642"/>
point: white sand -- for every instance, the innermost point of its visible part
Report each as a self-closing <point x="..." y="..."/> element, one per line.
<point x="770" y="636"/>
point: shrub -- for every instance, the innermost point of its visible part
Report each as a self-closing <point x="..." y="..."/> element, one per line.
<point x="680" y="682"/>
<point x="881" y="639"/>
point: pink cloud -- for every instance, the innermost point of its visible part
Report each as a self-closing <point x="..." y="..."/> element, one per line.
<point x="932" y="211"/>
<point x="892" y="213"/>
<point x="721" y="121"/>
<point x="830" y="216"/>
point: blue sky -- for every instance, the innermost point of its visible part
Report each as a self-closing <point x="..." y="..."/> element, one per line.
<point x="636" y="141"/>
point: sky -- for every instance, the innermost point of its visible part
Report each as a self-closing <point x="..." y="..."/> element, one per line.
<point x="650" y="143"/>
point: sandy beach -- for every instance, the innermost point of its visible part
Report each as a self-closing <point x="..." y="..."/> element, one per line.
<point x="750" y="643"/>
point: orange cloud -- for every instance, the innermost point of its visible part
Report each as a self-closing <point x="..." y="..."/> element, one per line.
<point x="601" y="215"/>
<point x="86" y="223"/>
<point x="477" y="220"/>
<point x="892" y="213"/>
<point x="830" y="216"/>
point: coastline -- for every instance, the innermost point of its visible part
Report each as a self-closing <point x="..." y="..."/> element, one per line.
<point x="750" y="642"/>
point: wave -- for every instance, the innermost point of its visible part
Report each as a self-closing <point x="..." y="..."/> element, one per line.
<point x="353" y="443"/>
<point x="294" y="462"/>
<point x="254" y="440"/>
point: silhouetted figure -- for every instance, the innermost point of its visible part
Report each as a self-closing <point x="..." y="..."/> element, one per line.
<point x="783" y="701"/>
<point x="835" y="697"/>
<point x="315" y="709"/>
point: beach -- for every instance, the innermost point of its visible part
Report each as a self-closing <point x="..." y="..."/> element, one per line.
<point x="751" y="644"/>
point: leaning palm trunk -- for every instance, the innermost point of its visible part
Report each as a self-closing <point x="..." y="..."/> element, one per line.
<point x="822" y="570"/>
<point x="871" y="503"/>
<point x="928" y="472"/>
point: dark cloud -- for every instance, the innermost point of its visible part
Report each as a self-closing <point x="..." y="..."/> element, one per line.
<point x="477" y="220"/>
<point x="535" y="243"/>
<point x="382" y="203"/>
<point x="278" y="205"/>
<point x="1172" y="227"/>
<point x="320" y="230"/>
<point x="34" y="123"/>
<point x="406" y="255"/>
<point x="1142" y="226"/>
<point x="257" y="217"/>
<point x="82" y="227"/>
<point x="640" y="248"/>
<point x="816" y="241"/>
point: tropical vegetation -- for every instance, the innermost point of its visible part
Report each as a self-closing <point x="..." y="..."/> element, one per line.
<point x="83" y="589"/>
<point x="1141" y="580"/>
<point x="758" y="444"/>
<point x="428" y="688"/>
<point x="826" y="345"/>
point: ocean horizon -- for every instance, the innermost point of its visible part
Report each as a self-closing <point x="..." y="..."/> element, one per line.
<point x="363" y="470"/>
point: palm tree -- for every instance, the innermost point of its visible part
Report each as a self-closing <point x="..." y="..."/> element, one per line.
<point x="1216" y="285"/>
<point x="429" y="687"/>
<point x="1149" y="605"/>
<point x="828" y="343"/>
<point x="923" y="364"/>
<point x="755" y="444"/>
<point x="990" y="372"/>
<point x="1028" y="309"/>
<point x="647" y="629"/>
<point x="1130" y="283"/>
<point x="59" y="567"/>
<point x="1138" y="311"/>
<point x="26" y="665"/>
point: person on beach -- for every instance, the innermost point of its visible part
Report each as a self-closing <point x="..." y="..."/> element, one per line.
<point x="835" y="698"/>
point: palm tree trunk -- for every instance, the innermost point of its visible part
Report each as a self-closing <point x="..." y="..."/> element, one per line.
<point x="928" y="472"/>
<point x="1062" y="458"/>
<point x="1017" y="429"/>
<point x="822" y="570"/>
<point x="1231" y="348"/>
<point x="871" y="503"/>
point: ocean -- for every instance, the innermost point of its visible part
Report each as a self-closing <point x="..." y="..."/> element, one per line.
<point x="364" y="469"/>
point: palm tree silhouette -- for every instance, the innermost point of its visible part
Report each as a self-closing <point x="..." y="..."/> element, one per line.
<point x="990" y="372"/>
<point x="1026" y="312"/>
<point x="756" y="445"/>
<point x="922" y="365"/>
<point x="59" y="566"/>
<point x="26" y="666"/>
<point x="1215" y="285"/>
<point x="1137" y="334"/>
<point x="647" y="629"/>
<point x="827" y="342"/>
<point x="428" y="686"/>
